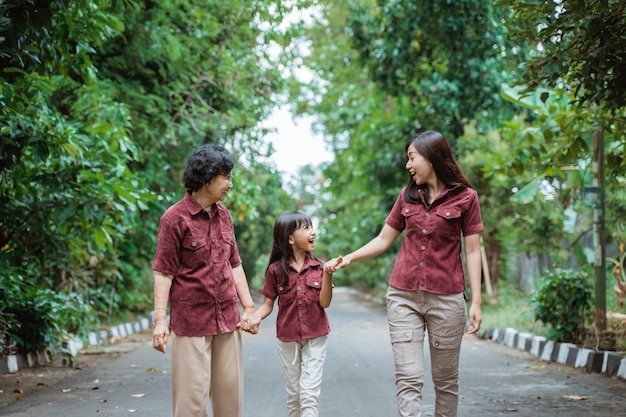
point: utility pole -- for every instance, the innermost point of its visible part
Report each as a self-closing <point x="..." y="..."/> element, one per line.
<point x="599" y="270"/>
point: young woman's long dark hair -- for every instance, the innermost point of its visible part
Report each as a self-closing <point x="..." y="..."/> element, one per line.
<point x="436" y="149"/>
<point x="284" y="226"/>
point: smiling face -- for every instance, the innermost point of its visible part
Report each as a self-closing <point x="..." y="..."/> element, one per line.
<point x="303" y="238"/>
<point x="219" y="187"/>
<point x="420" y="169"/>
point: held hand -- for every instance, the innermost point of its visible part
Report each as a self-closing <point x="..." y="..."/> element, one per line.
<point x="160" y="336"/>
<point x="475" y="319"/>
<point x="336" y="263"/>
<point x="249" y="322"/>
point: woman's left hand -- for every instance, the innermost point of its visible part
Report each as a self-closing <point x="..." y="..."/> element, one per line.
<point x="475" y="318"/>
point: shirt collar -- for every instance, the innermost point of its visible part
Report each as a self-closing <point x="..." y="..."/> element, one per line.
<point x="195" y="208"/>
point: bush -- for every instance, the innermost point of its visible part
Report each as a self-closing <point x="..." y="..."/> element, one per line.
<point x="34" y="319"/>
<point x="563" y="303"/>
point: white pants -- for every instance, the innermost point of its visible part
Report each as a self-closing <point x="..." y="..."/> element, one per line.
<point x="302" y="365"/>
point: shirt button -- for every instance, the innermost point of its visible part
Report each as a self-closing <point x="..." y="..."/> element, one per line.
<point x="447" y="213"/>
<point x="436" y="344"/>
<point x="299" y="302"/>
<point x="316" y="283"/>
<point x="424" y="231"/>
<point x="427" y="214"/>
<point x="301" y="315"/>
<point x="299" y="288"/>
<point x="406" y="210"/>
<point x="213" y="240"/>
<point x="193" y="244"/>
<point x="215" y="260"/>
<point x="421" y="263"/>
<point x="281" y="288"/>
<point x="423" y="247"/>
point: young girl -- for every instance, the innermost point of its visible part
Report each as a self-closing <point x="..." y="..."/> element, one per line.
<point x="297" y="278"/>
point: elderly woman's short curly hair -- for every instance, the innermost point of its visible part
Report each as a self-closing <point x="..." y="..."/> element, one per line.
<point x="205" y="163"/>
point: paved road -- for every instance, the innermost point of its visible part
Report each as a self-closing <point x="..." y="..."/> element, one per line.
<point x="358" y="379"/>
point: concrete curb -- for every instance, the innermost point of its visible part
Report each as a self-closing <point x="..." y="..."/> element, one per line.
<point x="13" y="363"/>
<point x="609" y="363"/>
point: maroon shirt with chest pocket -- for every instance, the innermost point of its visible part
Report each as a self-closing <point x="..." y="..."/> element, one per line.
<point x="200" y="251"/>
<point x="430" y="257"/>
<point x="300" y="315"/>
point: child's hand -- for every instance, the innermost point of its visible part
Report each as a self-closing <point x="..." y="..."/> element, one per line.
<point x="249" y="323"/>
<point x="334" y="264"/>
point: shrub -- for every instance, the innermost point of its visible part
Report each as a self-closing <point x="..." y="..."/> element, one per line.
<point x="34" y="319"/>
<point x="563" y="303"/>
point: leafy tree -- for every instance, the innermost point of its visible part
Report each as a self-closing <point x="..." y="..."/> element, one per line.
<point x="580" y="51"/>
<point x="384" y="70"/>
<point x="448" y="58"/>
<point x="101" y="103"/>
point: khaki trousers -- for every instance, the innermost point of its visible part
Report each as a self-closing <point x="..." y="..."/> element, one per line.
<point x="410" y="315"/>
<point x="207" y="367"/>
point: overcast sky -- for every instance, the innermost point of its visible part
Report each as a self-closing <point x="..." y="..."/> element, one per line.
<point x="295" y="144"/>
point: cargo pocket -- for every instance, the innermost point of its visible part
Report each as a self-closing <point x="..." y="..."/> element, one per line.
<point x="445" y="350"/>
<point x="403" y="345"/>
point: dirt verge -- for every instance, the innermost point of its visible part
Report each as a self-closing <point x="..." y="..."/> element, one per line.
<point x="18" y="386"/>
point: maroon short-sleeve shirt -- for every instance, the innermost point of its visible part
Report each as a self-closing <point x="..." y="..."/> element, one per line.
<point x="200" y="251"/>
<point x="300" y="315"/>
<point x="430" y="256"/>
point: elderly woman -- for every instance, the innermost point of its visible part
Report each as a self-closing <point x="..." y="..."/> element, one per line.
<point x="197" y="269"/>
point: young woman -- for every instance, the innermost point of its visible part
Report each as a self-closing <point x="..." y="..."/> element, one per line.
<point x="297" y="278"/>
<point x="439" y="211"/>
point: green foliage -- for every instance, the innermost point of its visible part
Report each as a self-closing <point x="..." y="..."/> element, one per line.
<point x="563" y="302"/>
<point x="100" y="105"/>
<point x="448" y="58"/>
<point x="37" y="318"/>
<point x="582" y="47"/>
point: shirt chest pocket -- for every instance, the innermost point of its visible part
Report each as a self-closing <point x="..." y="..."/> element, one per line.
<point x="447" y="222"/>
<point x="192" y="251"/>
<point x="414" y="219"/>
<point x="313" y="288"/>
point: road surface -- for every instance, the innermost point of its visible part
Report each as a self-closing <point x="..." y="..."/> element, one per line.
<point x="358" y="379"/>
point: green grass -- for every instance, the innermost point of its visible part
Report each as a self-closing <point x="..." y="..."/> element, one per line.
<point x="510" y="308"/>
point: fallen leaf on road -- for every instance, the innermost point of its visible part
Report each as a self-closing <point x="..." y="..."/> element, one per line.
<point x="66" y="390"/>
<point x="132" y="410"/>
<point x="18" y="391"/>
<point x="535" y="367"/>
<point x="575" y="397"/>
<point x="138" y="395"/>
<point x="512" y="410"/>
<point x="152" y="369"/>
